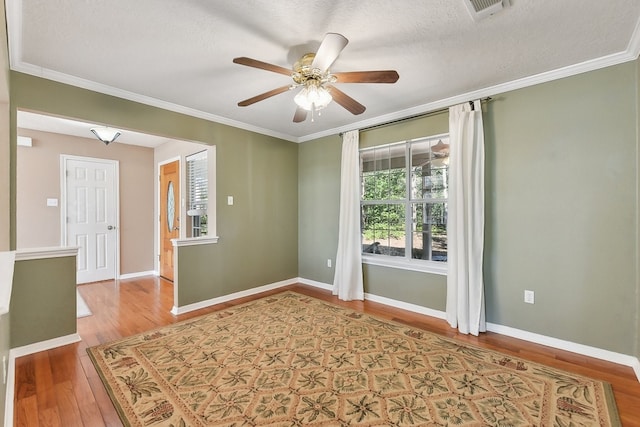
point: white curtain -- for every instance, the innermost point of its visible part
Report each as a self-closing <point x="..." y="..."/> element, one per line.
<point x="465" y="224"/>
<point x="347" y="282"/>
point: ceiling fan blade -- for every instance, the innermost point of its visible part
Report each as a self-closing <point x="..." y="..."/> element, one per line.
<point x="300" y="115"/>
<point x="263" y="96"/>
<point x="382" y="76"/>
<point x="329" y="49"/>
<point x="262" y="65"/>
<point x="350" y="104"/>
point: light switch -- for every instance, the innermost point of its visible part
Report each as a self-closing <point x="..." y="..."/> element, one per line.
<point x="229" y="200"/>
<point x="52" y="202"/>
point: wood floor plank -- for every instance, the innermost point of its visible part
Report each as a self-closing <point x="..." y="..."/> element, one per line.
<point x="44" y="382"/>
<point x="25" y="412"/>
<point x="68" y="406"/>
<point x="61" y="386"/>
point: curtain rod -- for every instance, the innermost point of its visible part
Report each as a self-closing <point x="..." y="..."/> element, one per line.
<point x="417" y="116"/>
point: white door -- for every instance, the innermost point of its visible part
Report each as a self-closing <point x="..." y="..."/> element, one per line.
<point x="90" y="192"/>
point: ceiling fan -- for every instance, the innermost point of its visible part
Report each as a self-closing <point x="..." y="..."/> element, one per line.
<point x="311" y="74"/>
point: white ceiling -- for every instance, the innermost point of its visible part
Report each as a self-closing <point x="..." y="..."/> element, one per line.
<point x="178" y="54"/>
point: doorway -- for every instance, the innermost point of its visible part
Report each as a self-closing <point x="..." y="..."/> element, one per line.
<point x="89" y="216"/>
<point x="170" y="208"/>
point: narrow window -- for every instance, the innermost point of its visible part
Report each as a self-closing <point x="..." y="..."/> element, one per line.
<point x="198" y="193"/>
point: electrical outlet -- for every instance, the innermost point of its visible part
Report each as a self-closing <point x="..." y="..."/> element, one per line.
<point x="529" y="297"/>
<point x="329" y="262"/>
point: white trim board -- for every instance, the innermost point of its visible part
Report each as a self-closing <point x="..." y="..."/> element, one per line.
<point x="138" y="274"/>
<point x="45" y="253"/>
<point x="585" y="350"/>
<point x="213" y="301"/>
<point x="25" y="350"/>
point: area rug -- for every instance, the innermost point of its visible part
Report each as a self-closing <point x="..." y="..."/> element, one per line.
<point x="292" y="360"/>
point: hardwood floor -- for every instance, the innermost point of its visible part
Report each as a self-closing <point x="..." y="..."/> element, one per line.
<point x="60" y="387"/>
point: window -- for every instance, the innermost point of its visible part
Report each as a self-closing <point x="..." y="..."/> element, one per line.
<point x="404" y="200"/>
<point x="198" y="193"/>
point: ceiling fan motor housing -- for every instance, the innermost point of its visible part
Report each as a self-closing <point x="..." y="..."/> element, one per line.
<point x="303" y="72"/>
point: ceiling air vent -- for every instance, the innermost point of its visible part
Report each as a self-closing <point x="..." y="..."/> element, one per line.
<point x="480" y="9"/>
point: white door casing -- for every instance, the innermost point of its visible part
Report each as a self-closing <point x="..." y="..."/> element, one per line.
<point x="89" y="215"/>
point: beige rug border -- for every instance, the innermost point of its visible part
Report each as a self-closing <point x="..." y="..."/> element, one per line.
<point x="614" y="415"/>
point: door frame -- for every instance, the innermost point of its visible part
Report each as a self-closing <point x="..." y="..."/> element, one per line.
<point x="180" y="207"/>
<point x="63" y="201"/>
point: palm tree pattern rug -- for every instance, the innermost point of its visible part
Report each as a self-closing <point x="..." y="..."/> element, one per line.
<point x="293" y="360"/>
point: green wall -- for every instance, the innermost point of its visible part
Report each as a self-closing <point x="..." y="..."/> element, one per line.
<point x="258" y="234"/>
<point x="43" y="300"/>
<point x="318" y="207"/>
<point x="561" y="210"/>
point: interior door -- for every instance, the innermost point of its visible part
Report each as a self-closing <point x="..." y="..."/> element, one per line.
<point x="169" y="215"/>
<point x="91" y="216"/>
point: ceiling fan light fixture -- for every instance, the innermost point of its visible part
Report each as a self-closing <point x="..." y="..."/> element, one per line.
<point x="313" y="96"/>
<point x="106" y="134"/>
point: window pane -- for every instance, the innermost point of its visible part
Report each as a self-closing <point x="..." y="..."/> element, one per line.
<point x="397" y="184"/>
<point x="376" y="185"/>
<point x="429" y="240"/>
<point x="429" y="169"/>
<point x="383" y="173"/>
<point x="383" y="230"/>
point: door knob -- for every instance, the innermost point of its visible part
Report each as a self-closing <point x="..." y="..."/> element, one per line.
<point x="176" y="228"/>
<point x="110" y="227"/>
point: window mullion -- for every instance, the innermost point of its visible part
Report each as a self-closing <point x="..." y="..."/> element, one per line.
<point x="408" y="222"/>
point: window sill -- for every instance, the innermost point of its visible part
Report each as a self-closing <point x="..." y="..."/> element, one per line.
<point x="193" y="241"/>
<point x="432" y="267"/>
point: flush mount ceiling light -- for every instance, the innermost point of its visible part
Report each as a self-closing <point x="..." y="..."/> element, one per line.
<point x="106" y="134"/>
<point x="314" y="95"/>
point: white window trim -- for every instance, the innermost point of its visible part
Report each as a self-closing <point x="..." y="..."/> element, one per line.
<point x="423" y="266"/>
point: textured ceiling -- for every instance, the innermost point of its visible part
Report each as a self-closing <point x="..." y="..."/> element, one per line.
<point x="178" y="54"/>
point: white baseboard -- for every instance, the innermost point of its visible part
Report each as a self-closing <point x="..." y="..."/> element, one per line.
<point x="321" y="285"/>
<point x="382" y="300"/>
<point x="585" y="350"/>
<point x="14" y="353"/>
<point x="138" y="274"/>
<point x="213" y="301"/>
<point x="406" y="306"/>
